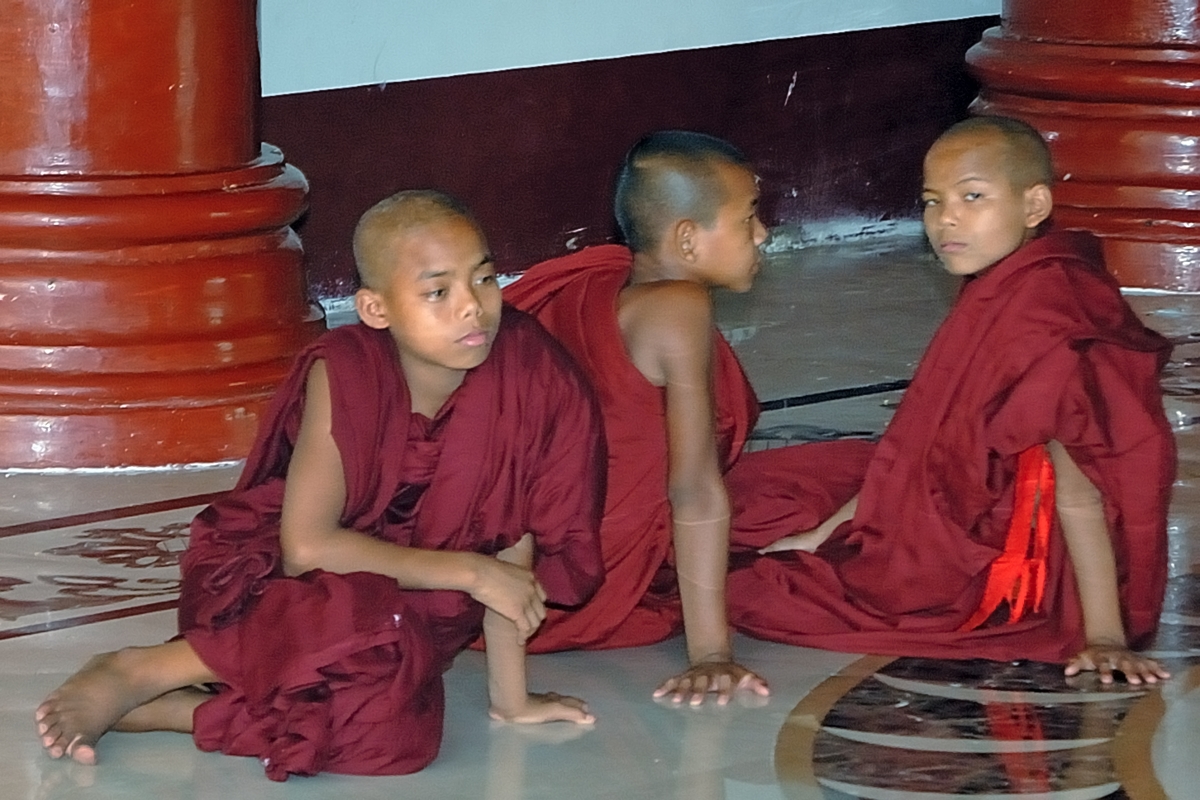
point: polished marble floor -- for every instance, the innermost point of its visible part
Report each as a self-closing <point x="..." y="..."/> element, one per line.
<point x="829" y="335"/>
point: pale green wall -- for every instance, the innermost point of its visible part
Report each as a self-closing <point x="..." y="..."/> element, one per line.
<point x="317" y="44"/>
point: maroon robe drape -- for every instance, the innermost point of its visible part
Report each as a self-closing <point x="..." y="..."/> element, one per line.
<point x="342" y="673"/>
<point x="575" y="298"/>
<point x="1039" y="347"/>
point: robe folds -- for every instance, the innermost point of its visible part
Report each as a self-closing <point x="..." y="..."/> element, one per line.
<point x="342" y="672"/>
<point x="1039" y="347"/>
<point x="575" y="298"/>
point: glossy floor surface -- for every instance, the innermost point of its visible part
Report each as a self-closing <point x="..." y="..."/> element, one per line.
<point x="88" y="563"/>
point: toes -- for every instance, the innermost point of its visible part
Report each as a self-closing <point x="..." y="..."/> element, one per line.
<point x="54" y="746"/>
<point x="50" y="734"/>
<point x="82" y="751"/>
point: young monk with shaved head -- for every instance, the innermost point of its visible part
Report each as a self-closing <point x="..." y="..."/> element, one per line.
<point x="1016" y="506"/>
<point x="429" y="473"/>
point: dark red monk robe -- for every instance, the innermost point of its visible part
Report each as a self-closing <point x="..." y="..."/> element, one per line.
<point x="1040" y="347"/>
<point x="342" y="673"/>
<point x="575" y="298"/>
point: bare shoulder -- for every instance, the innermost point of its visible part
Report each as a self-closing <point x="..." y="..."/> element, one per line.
<point x="666" y="308"/>
<point x="316" y="385"/>
<point x="663" y="320"/>
<point x="317" y="373"/>
<point x="314" y="493"/>
<point x="315" y="433"/>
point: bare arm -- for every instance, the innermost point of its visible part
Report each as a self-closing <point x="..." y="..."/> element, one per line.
<point x="507" y="686"/>
<point x="811" y="540"/>
<point x="695" y="487"/>
<point x="1081" y="513"/>
<point x="311" y="535"/>
<point x="673" y="338"/>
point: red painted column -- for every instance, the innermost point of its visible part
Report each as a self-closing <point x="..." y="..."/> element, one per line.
<point x="151" y="292"/>
<point x="1114" y="86"/>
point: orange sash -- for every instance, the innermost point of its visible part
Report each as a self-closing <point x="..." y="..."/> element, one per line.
<point x="1018" y="575"/>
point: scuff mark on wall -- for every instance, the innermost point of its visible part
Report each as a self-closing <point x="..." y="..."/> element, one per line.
<point x="791" y="88"/>
<point x="575" y="234"/>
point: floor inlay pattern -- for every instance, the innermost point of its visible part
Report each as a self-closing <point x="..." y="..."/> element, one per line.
<point x="917" y="728"/>
<point x="70" y="571"/>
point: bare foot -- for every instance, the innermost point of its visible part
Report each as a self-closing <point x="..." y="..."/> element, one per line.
<point x="74" y="716"/>
<point x="169" y="712"/>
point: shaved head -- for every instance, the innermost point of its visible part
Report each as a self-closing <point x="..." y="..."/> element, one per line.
<point x="1025" y="158"/>
<point x="670" y="176"/>
<point x="391" y="220"/>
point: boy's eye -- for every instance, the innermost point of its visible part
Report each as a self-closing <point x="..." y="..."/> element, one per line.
<point x="971" y="196"/>
<point x="436" y="294"/>
<point x="483" y="280"/>
<point x="929" y="202"/>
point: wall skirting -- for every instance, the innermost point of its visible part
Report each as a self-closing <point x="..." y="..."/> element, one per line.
<point x="837" y="125"/>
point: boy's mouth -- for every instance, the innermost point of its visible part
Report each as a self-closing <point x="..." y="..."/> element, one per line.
<point x="475" y="338"/>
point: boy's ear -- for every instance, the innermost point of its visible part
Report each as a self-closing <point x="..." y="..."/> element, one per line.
<point x="684" y="239"/>
<point x="1038" y="204"/>
<point x="370" y="308"/>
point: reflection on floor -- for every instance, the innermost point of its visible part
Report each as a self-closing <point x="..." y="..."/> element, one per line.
<point x="829" y="336"/>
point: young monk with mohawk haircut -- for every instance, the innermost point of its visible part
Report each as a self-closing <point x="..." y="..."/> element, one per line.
<point x="677" y="410"/>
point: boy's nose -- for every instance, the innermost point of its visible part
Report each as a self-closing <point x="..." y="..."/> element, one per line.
<point x="472" y="306"/>
<point x="760" y="232"/>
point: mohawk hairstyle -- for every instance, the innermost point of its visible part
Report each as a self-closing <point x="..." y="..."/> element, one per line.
<point x="668" y="176"/>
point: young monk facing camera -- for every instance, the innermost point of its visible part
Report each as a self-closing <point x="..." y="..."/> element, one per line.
<point x="1016" y="505"/>
<point x="445" y="445"/>
<point x="677" y="408"/>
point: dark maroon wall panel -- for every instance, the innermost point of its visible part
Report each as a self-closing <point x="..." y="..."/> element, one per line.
<point x="837" y="124"/>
